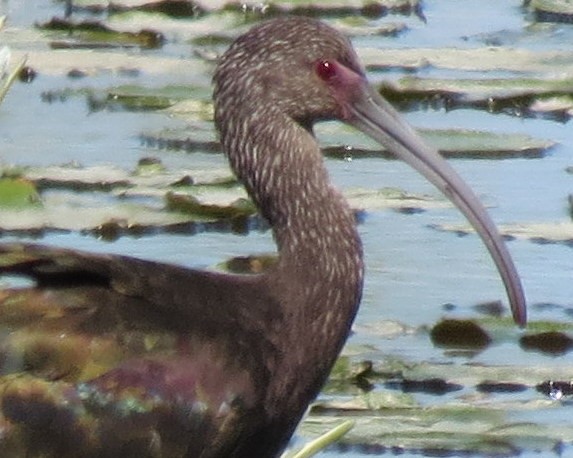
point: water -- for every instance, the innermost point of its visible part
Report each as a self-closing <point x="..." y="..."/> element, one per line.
<point x="412" y="270"/>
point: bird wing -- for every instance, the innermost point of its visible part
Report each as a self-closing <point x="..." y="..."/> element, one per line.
<point x="105" y="355"/>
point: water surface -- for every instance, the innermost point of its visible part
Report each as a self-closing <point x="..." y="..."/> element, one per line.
<point x="413" y="270"/>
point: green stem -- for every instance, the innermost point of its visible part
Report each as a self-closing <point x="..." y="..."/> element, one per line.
<point x="11" y="79"/>
<point x="320" y="443"/>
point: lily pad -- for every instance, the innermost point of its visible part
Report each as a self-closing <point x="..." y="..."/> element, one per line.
<point x="459" y="334"/>
<point x="249" y="264"/>
<point x="131" y="205"/>
<point x="188" y="204"/>
<point x="518" y="61"/>
<point x="452" y="429"/>
<point x="128" y="98"/>
<point x="191" y="70"/>
<point x="458" y="143"/>
<point x="114" y="202"/>
<point x="136" y="98"/>
<point x="435" y="386"/>
<point x="398" y="199"/>
<point x="150" y="166"/>
<point x="216" y="5"/>
<point x="92" y="34"/>
<point x="63" y="212"/>
<point x="18" y="193"/>
<point x="560" y="232"/>
<point x="467" y="375"/>
<point x="479" y="144"/>
<point x="172" y="8"/>
<point x="552" y="343"/>
<point x="555" y="107"/>
<point x="74" y="178"/>
<point x="209" y="33"/>
<point x="508" y="95"/>
<point x="149" y="178"/>
<point x="552" y="10"/>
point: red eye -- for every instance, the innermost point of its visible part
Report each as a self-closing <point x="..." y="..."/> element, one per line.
<point x="326" y="70"/>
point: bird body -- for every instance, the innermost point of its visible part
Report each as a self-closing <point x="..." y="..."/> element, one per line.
<point x="115" y="356"/>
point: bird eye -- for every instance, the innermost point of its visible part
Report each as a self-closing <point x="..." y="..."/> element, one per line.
<point x="326" y="70"/>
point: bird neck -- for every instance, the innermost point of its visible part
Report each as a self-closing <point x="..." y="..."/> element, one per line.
<point x="318" y="278"/>
<point x="282" y="168"/>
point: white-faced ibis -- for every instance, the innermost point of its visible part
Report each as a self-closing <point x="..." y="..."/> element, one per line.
<point x="110" y="356"/>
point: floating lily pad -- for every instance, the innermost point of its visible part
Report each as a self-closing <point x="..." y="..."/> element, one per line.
<point x="459" y="334"/>
<point x="382" y="400"/>
<point x="552" y="10"/>
<point x="510" y="95"/>
<point x="249" y="264"/>
<point x="190" y="205"/>
<point x="96" y="34"/>
<point x="199" y="6"/>
<point x="518" y="61"/>
<point x="63" y="212"/>
<point x="501" y="387"/>
<point x="128" y="98"/>
<point x="172" y="8"/>
<point x="556" y="107"/>
<point x="181" y="141"/>
<point x="469" y="375"/>
<point x="370" y="8"/>
<point x="552" y="343"/>
<point x="479" y="144"/>
<point x="90" y="62"/>
<point x="458" y="143"/>
<point x="149" y="166"/>
<point x="115" y="202"/>
<point x="362" y="26"/>
<point x="98" y="178"/>
<point x="483" y="422"/>
<point x="386" y="329"/>
<point x="349" y="377"/>
<point x="435" y="386"/>
<point x="453" y="429"/>
<point x="18" y="193"/>
<point x="136" y="98"/>
<point x="193" y="109"/>
<point x="561" y="232"/>
<point x="398" y="199"/>
<point x="149" y="178"/>
<point x="492" y="308"/>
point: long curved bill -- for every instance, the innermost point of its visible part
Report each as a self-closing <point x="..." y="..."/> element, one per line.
<point x="374" y="116"/>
